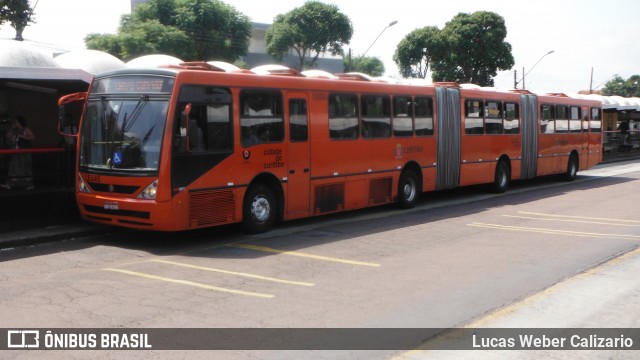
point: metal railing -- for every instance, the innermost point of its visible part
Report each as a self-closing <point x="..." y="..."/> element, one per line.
<point x="51" y="166"/>
<point x="616" y="141"/>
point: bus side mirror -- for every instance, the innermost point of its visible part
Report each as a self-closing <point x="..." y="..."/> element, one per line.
<point x="62" y="114"/>
<point x="182" y="140"/>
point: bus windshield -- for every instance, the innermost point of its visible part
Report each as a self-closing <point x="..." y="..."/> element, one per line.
<point x="123" y="134"/>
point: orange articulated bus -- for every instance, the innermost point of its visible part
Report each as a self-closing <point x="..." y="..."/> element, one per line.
<point x="193" y="146"/>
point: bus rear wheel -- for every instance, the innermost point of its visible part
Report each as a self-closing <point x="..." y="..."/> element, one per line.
<point x="259" y="209"/>
<point x="502" y="177"/>
<point x="572" y="168"/>
<point x="408" y="191"/>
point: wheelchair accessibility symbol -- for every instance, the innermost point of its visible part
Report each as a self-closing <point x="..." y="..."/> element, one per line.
<point x="117" y="157"/>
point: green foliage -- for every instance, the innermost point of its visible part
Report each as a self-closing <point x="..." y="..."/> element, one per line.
<point x="310" y="30"/>
<point x="621" y="87"/>
<point x="187" y="29"/>
<point x="18" y="13"/>
<point x="108" y="43"/>
<point x="416" y="51"/>
<point x="367" y="65"/>
<point x="151" y="37"/>
<point x="469" y="49"/>
<point x="476" y="49"/>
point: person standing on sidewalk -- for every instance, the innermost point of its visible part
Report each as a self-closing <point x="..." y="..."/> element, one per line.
<point x="20" y="171"/>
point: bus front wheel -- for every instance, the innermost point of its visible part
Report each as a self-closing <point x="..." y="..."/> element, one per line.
<point x="408" y="191"/>
<point x="259" y="209"/>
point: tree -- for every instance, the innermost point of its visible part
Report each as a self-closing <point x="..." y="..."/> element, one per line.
<point x="417" y="50"/>
<point x="470" y="48"/>
<point x="18" y="13"/>
<point x="367" y="65"/>
<point x="620" y="87"/>
<point x="476" y="49"/>
<point x="310" y="30"/>
<point x="188" y="29"/>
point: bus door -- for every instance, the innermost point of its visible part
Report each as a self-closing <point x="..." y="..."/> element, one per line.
<point x="299" y="162"/>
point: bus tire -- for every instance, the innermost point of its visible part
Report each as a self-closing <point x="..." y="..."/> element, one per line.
<point x="572" y="168"/>
<point x="259" y="209"/>
<point x="502" y="177"/>
<point x="408" y="191"/>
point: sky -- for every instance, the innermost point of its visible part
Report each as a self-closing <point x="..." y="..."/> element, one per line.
<point x="584" y="35"/>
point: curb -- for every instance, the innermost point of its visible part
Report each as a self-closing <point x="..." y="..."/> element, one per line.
<point x="50" y="233"/>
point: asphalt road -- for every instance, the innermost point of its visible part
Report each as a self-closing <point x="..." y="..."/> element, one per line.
<point x="461" y="258"/>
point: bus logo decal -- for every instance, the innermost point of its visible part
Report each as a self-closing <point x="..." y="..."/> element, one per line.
<point x="398" y="151"/>
<point x="246" y="154"/>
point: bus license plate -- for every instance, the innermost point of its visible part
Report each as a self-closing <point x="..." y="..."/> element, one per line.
<point x="111" y="206"/>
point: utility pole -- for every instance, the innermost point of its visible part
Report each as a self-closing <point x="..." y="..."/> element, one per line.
<point x="515" y="79"/>
<point x="591" y="82"/>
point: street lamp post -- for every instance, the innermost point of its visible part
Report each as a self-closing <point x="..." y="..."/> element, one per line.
<point x="515" y="84"/>
<point x="374" y="41"/>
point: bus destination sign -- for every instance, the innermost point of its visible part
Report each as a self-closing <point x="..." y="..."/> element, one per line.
<point x="133" y="84"/>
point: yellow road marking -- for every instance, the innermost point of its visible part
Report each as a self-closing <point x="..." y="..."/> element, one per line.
<point x="554" y="232"/>
<point x="580" y="217"/>
<point x="190" y="283"/>
<point x="253" y="276"/>
<point x="304" y="255"/>
<point x="570" y="220"/>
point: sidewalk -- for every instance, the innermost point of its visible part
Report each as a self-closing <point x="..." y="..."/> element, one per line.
<point x="28" y="217"/>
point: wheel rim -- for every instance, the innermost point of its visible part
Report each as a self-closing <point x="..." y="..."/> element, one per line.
<point x="574" y="168"/>
<point x="409" y="190"/>
<point x="503" y="178"/>
<point x="260" y="209"/>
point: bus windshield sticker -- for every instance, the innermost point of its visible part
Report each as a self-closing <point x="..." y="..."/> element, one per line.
<point x="117" y="157"/>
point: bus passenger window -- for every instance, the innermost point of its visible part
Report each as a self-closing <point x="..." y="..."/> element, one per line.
<point x="511" y="118"/>
<point x="575" y="123"/>
<point x="493" y="118"/>
<point x="562" y="119"/>
<point x="261" y="119"/>
<point x="596" y="120"/>
<point x="343" y="116"/>
<point x="219" y="134"/>
<point x="473" y="122"/>
<point x="376" y="119"/>
<point x="547" y="116"/>
<point x="585" y="118"/>
<point x="298" y="120"/>
<point x="423" y="116"/>
<point x="210" y="120"/>
<point x="402" y="116"/>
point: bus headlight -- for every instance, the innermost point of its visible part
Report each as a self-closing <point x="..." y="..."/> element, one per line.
<point x="82" y="186"/>
<point x="149" y="192"/>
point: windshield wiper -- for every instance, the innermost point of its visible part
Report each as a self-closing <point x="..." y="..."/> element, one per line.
<point x="137" y="110"/>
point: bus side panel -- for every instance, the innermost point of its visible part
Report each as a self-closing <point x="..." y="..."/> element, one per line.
<point x="481" y="154"/>
<point x="428" y="178"/>
<point x="595" y="148"/>
<point x="546" y="154"/>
